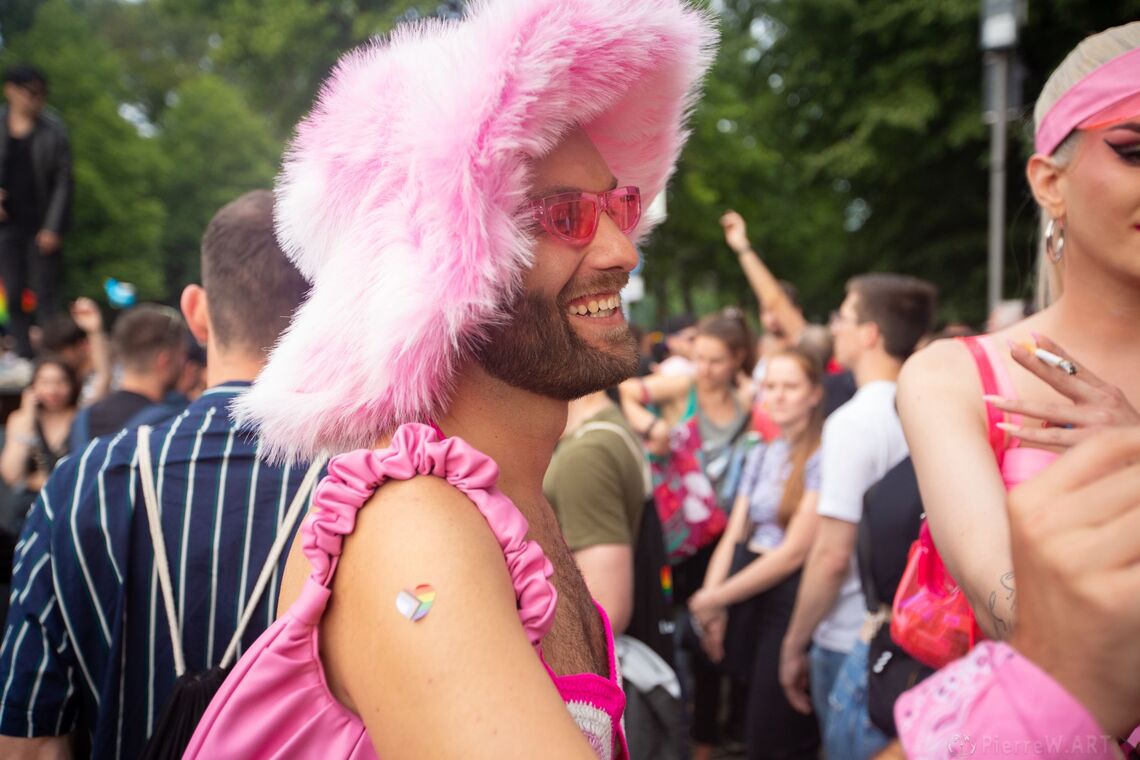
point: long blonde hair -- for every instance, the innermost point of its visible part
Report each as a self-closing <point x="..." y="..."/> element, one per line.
<point x="1092" y="52"/>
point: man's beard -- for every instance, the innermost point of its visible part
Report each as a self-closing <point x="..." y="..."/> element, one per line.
<point x="537" y="350"/>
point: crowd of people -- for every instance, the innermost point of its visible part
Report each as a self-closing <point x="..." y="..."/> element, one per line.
<point x="874" y="537"/>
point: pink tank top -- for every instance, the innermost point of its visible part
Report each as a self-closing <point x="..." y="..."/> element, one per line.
<point x="276" y="702"/>
<point x="1016" y="462"/>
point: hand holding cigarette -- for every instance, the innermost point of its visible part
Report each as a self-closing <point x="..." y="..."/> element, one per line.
<point x="1095" y="406"/>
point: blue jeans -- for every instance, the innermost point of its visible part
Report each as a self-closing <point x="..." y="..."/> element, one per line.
<point x="849" y="733"/>
<point x="825" y="664"/>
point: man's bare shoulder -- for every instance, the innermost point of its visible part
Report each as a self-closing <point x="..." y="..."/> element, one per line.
<point x="423" y="514"/>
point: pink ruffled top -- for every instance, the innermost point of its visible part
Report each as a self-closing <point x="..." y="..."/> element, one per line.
<point x="276" y="702"/>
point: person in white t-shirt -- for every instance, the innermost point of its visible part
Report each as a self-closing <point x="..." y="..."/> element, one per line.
<point x="875" y="330"/>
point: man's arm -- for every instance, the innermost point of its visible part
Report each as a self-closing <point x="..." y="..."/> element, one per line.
<point x="86" y="314"/>
<point x="60" y="183"/>
<point x="389" y="670"/>
<point x="764" y="284"/>
<point x="826" y="567"/>
<point x="40" y="748"/>
<point x="824" y="572"/>
<point x="36" y="667"/>
<point x="608" y="571"/>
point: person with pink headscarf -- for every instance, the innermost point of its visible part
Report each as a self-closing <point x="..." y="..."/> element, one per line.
<point x="1066" y="531"/>
<point x="465" y="197"/>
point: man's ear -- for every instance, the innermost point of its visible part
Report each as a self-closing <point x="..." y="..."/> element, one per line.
<point x="194" y="303"/>
<point x="870" y="334"/>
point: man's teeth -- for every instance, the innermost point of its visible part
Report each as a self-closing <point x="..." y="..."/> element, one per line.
<point x="597" y="308"/>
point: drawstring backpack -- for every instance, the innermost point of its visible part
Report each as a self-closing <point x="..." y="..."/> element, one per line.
<point x="193" y="691"/>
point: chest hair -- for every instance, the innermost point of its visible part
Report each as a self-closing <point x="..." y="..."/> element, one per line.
<point x="576" y="642"/>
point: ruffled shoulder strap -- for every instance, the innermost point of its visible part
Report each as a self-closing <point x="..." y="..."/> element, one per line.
<point x="418" y="450"/>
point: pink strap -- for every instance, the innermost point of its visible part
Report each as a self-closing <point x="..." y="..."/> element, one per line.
<point x="418" y="450"/>
<point x="990" y="387"/>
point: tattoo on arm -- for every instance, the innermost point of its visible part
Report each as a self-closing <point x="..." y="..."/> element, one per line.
<point x="1007" y="583"/>
<point x="1001" y="625"/>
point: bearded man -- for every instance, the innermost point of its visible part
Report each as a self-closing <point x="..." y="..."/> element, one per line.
<point x="465" y="198"/>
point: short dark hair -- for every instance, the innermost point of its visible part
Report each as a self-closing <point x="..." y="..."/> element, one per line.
<point x="141" y="333"/>
<point x="22" y="74"/>
<point x="252" y="288"/>
<point x="901" y="306"/>
<point x="677" y="323"/>
<point x="60" y="332"/>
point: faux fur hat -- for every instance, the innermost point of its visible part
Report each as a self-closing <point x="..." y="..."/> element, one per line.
<point x="401" y="192"/>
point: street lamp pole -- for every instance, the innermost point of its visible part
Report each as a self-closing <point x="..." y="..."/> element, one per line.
<point x="1000" y="21"/>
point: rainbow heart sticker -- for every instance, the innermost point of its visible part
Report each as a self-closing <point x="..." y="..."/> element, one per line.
<point x="415" y="604"/>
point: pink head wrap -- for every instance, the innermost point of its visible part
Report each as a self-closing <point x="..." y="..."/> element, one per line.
<point x="1109" y="94"/>
<point x="400" y="192"/>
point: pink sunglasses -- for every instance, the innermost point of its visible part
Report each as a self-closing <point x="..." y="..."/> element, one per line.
<point x="574" y="217"/>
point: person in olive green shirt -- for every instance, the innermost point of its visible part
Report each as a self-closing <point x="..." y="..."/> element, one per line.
<point x="597" y="488"/>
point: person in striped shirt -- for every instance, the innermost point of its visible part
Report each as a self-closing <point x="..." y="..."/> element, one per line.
<point x="87" y="658"/>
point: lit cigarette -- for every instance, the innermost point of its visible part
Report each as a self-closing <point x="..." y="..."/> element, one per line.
<point x="1053" y="360"/>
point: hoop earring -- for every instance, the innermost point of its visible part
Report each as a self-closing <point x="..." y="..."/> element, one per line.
<point x="1055" y="241"/>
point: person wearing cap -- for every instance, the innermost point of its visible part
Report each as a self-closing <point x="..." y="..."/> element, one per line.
<point x="465" y="197"/>
<point x="1057" y="378"/>
<point x="35" y="197"/>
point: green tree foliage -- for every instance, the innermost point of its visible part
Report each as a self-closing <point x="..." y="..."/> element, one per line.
<point x="215" y="148"/>
<point x="848" y="133"/>
<point x="117" y="220"/>
<point x="281" y="50"/>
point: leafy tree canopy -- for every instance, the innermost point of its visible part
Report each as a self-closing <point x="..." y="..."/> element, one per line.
<point x="847" y="132"/>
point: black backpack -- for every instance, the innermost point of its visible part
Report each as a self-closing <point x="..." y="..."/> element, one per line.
<point x="652" y="618"/>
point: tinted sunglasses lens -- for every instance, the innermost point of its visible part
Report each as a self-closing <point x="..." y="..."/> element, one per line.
<point x="573" y="219"/>
<point x="625" y="209"/>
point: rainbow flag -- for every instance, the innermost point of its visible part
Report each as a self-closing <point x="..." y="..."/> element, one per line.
<point x="667" y="583"/>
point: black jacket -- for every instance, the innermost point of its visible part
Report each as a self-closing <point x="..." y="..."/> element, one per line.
<point x="51" y="167"/>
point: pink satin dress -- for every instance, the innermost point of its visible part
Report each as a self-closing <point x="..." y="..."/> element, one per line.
<point x="276" y="702"/>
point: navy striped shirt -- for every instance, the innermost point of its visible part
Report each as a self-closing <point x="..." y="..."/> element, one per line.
<point x="87" y="647"/>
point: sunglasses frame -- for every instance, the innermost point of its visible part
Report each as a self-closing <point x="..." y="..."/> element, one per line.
<point x="540" y="210"/>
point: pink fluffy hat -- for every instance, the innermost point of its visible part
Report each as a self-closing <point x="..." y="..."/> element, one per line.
<point x="400" y="196"/>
